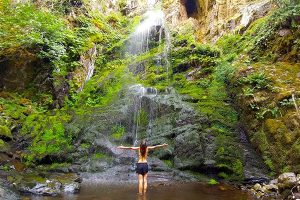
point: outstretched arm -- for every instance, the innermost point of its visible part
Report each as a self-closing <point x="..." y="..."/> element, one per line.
<point x="157" y="146"/>
<point x="129" y="148"/>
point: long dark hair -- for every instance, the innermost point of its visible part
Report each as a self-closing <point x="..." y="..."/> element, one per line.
<point x="143" y="148"/>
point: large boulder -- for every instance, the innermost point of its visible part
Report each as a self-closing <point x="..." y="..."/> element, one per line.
<point x="287" y="180"/>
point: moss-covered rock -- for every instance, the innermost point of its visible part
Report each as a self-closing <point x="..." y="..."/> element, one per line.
<point x="3" y="146"/>
<point x="5" y="133"/>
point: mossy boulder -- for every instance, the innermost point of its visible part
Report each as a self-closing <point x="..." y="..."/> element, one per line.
<point x="5" y="133"/>
<point x="3" y="146"/>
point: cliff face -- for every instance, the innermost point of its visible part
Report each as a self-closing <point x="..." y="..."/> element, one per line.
<point x="212" y="19"/>
<point x="261" y="47"/>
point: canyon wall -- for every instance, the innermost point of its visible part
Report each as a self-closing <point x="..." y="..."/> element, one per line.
<point x="211" y="19"/>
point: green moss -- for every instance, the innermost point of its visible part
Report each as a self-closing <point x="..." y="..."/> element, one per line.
<point x="99" y="156"/>
<point x="142" y="118"/>
<point x="117" y="132"/>
<point x="5" y="132"/>
<point x="53" y="166"/>
<point x="257" y="80"/>
<point x="169" y="163"/>
<point x="212" y="182"/>
<point x="85" y="145"/>
<point x="201" y="177"/>
<point x="223" y="175"/>
<point x="49" y="135"/>
<point x="3" y="146"/>
<point x="228" y="157"/>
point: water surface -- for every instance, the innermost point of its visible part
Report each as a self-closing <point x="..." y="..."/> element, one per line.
<point x="156" y="191"/>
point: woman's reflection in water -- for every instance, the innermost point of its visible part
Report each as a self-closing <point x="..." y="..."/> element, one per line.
<point x="141" y="197"/>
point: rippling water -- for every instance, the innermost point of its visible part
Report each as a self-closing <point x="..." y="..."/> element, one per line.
<point x="156" y="191"/>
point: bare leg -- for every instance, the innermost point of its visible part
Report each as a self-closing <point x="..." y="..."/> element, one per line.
<point x="140" y="179"/>
<point x="145" y="182"/>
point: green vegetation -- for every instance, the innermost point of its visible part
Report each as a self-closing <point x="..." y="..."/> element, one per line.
<point x="3" y="146"/>
<point x="5" y="132"/>
<point x="30" y="32"/>
<point x="52" y="110"/>
<point x="213" y="182"/>
<point x="266" y="62"/>
<point x="199" y="72"/>
<point x="98" y="156"/>
<point x="118" y="132"/>
<point x="169" y="163"/>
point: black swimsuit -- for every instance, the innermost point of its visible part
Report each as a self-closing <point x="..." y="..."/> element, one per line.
<point x="142" y="168"/>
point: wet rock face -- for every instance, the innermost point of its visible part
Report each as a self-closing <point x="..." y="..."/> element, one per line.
<point x="180" y="126"/>
<point x="189" y="144"/>
<point x="158" y="117"/>
<point x="6" y="192"/>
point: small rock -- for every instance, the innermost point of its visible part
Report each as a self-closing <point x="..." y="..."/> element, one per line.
<point x="270" y="188"/>
<point x="298" y="75"/>
<point x="71" y="188"/>
<point x="284" y="32"/>
<point x="257" y="187"/>
<point x="274" y="182"/>
<point x="259" y="194"/>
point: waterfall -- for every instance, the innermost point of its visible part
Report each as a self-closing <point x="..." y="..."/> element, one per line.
<point x="88" y="62"/>
<point x="150" y="33"/>
<point x="146" y="31"/>
<point x="138" y="92"/>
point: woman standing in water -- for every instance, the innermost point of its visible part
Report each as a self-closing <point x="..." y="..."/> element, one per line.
<point x="142" y="166"/>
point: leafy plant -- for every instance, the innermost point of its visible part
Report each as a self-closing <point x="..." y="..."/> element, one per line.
<point x="257" y="80"/>
<point x="273" y="111"/>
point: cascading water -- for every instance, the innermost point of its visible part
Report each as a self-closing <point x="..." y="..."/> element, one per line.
<point x="151" y="33"/>
<point x="88" y="61"/>
<point x="149" y="29"/>
<point x="138" y="92"/>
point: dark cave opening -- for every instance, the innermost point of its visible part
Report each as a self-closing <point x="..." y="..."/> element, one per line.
<point x="191" y="8"/>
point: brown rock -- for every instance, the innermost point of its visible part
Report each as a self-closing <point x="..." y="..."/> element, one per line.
<point x="284" y="32"/>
